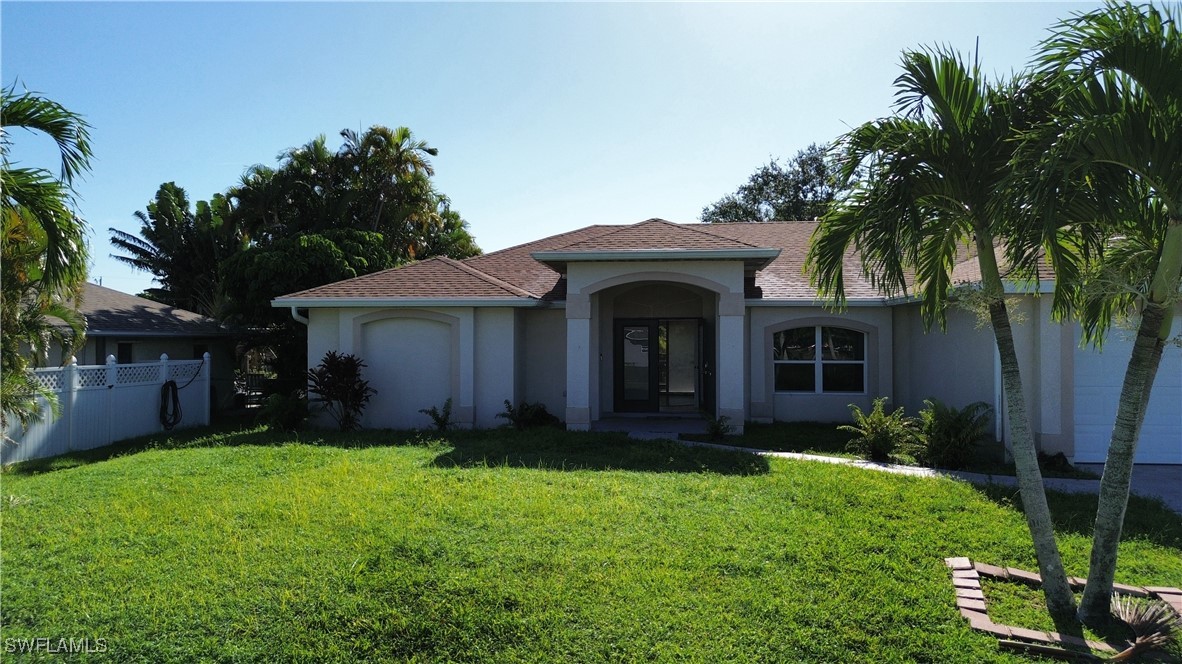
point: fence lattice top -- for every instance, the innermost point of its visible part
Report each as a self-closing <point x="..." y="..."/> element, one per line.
<point x="92" y="377"/>
<point x="129" y="374"/>
<point x="50" y="379"/>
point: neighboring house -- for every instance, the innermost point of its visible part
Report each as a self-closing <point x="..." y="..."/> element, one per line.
<point x="134" y="329"/>
<point x="661" y="318"/>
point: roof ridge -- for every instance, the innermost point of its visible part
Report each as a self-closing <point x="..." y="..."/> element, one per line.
<point x="690" y="227"/>
<point x="666" y="222"/>
<point x="542" y="239"/>
<point x="487" y="278"/>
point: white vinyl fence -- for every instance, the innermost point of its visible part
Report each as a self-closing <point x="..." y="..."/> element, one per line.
<point x="101" y="405"/>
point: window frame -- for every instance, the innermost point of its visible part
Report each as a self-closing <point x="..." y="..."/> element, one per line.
<point x="818" y="362"/>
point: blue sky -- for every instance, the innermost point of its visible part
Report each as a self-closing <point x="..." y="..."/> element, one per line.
<point x="547" y="117"/>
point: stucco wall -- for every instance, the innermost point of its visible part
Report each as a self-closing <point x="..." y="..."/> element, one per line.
<point x="495" y="364"/>
<point x="766" y="404"/>
<point x="956" y="366"/>
<point x="960" y="366"/>
<point x="386" y="338"/>
<point x="543" y="359"/>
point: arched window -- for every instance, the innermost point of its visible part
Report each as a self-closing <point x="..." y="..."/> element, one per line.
<point x="819" y="359"/>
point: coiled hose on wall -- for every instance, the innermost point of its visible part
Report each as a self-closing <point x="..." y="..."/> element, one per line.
<point x="170" y="400"/>
<point x="170" y="405"/>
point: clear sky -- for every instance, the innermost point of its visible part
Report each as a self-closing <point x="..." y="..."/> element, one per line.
<point x="547" y="117"/>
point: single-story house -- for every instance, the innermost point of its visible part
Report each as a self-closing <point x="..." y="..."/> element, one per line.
<point x="664" y="318"/>
<point x="134" y="329"/>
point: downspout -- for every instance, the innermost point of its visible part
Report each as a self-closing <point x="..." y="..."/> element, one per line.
<point x="295" y="313"/>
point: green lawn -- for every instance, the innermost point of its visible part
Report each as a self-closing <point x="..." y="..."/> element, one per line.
<point x="502" y="546"/>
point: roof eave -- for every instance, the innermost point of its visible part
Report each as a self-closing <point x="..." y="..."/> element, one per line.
<point x="755" y="258"/>
<point x="814" y="302"/>
<point x="386" y="302"/>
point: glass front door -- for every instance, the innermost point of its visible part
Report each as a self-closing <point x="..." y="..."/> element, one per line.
<point x="658" y="365"/>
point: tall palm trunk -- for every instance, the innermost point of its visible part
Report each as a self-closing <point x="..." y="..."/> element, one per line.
<point x="1060" y="600"/>
<point x="1156" y="322"/>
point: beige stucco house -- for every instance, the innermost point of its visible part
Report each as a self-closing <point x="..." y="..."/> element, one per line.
<point x="657" y="318"/>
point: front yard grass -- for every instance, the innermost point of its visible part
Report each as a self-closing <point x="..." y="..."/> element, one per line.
<point x="251" y="545"/>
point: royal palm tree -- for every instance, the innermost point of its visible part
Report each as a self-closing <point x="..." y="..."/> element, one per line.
<point x="922" y="187"/>
<point x="1104" y="182"/>
<point x="42" y="242"/>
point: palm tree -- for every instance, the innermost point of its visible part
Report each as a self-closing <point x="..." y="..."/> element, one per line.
<point x="1112" y="150"/>
<point x="42" y="243"/>
<point x="921" y="185"/>
<point x="182" y="249"/>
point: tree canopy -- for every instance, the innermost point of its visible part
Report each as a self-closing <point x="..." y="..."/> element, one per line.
<point x="315" y="217"/>
<point x="42" y="246"/>
<point x="797" y="190"/>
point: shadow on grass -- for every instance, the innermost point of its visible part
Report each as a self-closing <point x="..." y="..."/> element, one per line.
<point x="550" y="449"/>
<point x="1146" y="518"/>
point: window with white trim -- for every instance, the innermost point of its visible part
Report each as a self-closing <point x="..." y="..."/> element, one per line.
<point x="819" y="359"/>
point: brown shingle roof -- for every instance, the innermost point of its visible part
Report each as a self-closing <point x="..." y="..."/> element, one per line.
<point x="513" y="272"/>
<point x="109" y="311"/>
<point x="516" y="266"/>
<point x="433" y="278"/>
<point x="785" y="277"/>
<point x="656" y="234"/>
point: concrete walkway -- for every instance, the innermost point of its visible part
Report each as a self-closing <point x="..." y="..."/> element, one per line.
<point x="1161" y="482"/>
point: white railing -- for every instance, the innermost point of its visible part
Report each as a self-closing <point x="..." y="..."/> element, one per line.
<point x="103" y="404"/>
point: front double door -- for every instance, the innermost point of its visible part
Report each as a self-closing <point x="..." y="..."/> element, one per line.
<point x="663" y="365"/>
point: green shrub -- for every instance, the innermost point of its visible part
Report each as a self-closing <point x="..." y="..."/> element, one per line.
<point x="719" y="427"/>
<point x="950" y="434"/>
<point x="284" y="412"/>
<point x="343" y="393"/>
<point x="440" y="418"/>
<point x="879" y="435"/>
<point x="529" y="415"/>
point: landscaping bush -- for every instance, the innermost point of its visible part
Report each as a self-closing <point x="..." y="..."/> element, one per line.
<point x="879" y="435"/>
<point x="343" y="393"/>
<point x="718" y="428"/>
<point x="950" y="434"/>
<point x="440" y="418"/>
<point x="284" y="412"/>
<point x="529" y="415"/>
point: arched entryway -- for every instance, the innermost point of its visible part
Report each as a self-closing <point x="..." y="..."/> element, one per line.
<point x="657" y="348"/>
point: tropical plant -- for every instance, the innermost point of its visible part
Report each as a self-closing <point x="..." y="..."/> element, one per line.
<point x="718" y="428"/>
<point x="529" y="415"/>
<point x="1101" y="183"/>
<point x="878" y="433"/>
<point x="921" y="187"/>
<point x="1153" y="622"/>
<point x="343" y="392"/>
<point x="285" y="412"/>
<point x="441" y="418"/>
<point x="950" y="433"/>
<point x="800" y="189"/>
<point x="42" y="248"/>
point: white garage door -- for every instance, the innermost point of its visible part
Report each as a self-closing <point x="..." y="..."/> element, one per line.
<point x="410" y="365"/>
<point x="1098" y="379"/>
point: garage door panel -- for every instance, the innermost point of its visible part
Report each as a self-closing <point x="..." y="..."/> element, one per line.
<point x="1098" y="379"/>
<point x="1094" y="406"/>
<point x="410" y="365"/>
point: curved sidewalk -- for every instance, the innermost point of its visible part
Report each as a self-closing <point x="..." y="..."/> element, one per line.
<point x="1163" y="483"/>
